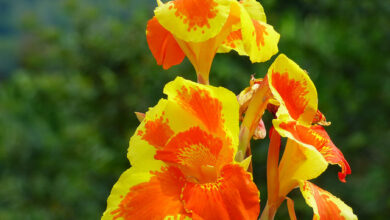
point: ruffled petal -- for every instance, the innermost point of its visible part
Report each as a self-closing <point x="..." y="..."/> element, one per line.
<point x="215" y="107"/>
<point x="325" y="205"/>
<point x="153" y="132"/>
<point x="299" y="162"/>
<point x="293" y="89"/>
<point x="254" y="37"/>
<point x="233" y="196"/>
<point x="260" y="39"/>
<point x="139" y="195"/>
<point x="192" y="20"/>
<point x="317" y="137"/>
<point x="214" y="110"/>
<point x="331" y="153"/>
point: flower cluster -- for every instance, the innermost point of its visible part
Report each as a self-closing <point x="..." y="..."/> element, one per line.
<point x="191" y="157"/>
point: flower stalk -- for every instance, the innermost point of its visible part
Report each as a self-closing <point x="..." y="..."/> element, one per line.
<point x="252" y="117"/>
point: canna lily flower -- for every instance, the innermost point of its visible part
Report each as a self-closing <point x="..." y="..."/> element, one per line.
<point x="183" y="168"/>
<point x="297" y="96"/>
<point x="199" y="29"/>
<point x="309" y="148"/>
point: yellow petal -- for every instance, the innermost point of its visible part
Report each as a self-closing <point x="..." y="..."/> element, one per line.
<point x="324" y="204"/>
<point x="294" y="90"/>
<point x="194" y="21"/>
<point x="254" y="9"/>
<point x="299" y="162"/>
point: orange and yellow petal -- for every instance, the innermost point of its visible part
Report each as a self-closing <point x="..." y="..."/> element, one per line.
<point x="325" y="205"/>
<point x="216" y="108"/>
<point x="192" y="20"/>
<point x="254" y="37"/>
<point x="139" y="195"/>
<point x="259" y="38"/>
<point x="299" y="162"/>
<point x="317" y="137"/>
<point x="294" y="90"/>
<point x="163" y="45"/>
<point x="331" y="153"/>
<point x="153" y="132"/>
<point x="233" y="42"/>
<point x="233" y="196"/>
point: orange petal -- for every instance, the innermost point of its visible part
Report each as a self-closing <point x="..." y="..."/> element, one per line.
<point x="234" y="196"/>
<point x="163" y="45"/>
<point x="197" y="153"/>
<point x="293" y="89"/>
<point x="325" y="205"/>
<point x="316" y="136"/>
<point x="144" y="201"/>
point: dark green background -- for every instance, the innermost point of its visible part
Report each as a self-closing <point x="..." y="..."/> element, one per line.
<point x="73" y="72"/>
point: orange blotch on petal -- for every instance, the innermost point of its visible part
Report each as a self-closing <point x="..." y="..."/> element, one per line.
<point x="292" y="92"/>
<point x="158" y="197"/>
<point x="163" y="45"/>
<point x="203" y="106"/>
<point x="317" y="137"/>
<point x="195" y="13"/>
<point x="260" y="32"/>
<point x="157" y="132"/>
<point x="233" y="196"/>
<point x="233" y="39"/>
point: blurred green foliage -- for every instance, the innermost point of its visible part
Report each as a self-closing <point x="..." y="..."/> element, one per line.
<point x="73" y="72"/>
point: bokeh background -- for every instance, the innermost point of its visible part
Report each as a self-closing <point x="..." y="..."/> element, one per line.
<point x="73" y="72"/>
